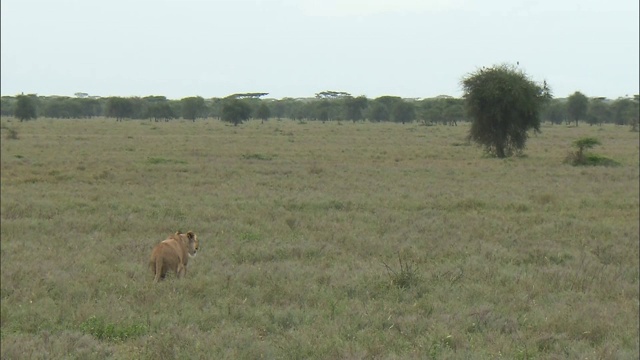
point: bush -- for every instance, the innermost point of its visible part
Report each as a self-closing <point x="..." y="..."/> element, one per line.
<point x="595" y="159"/>
<point x="579" y="157"/>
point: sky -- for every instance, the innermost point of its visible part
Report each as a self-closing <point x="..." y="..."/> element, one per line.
<point x="288" y="48"/>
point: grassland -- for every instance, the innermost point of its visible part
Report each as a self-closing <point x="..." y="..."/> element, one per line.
<point x="327" y="241"/>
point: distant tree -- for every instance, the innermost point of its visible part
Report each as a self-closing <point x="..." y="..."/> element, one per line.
<point x="138" y="107"/>
<point x="577" y="106"/>
<point x="254" y="95"/>
<point x="291" y="108"/>
<point x="235" y="111"/>
<point x="192" y="107"/>
<point x="304" y="110"/>
<point x="279" y="109"/>
<point x="598" y="112"/>
<point x="431" y="110"/>
<point x="403" y="112"/>
<point x="56" y="108"/>
<point x="453" y="112"/>
<point x="626" y="111"/>
<point x="263" y="113"/>
<point x="431" y="113"/>
<point x="330" y="94"/>
<point x="215" y="107"/>
<point x="161" y="111"/>
<point x="378" y="112"/>
<point x="158" y="108"/>
<point x="445" y="110"/>
<point x="556" y="111"/>
<point x="388" y="101"/>
<point x="119" y="108"/>
<point x="353" y="107"/>
<point x="89" y="107"/>
<point x="381" y="107"/>
<point x="63" y="107"/>
<point x="154" y="99"/>
<point x="322" y="110"/>
<point x="7" y="105"/>
<point x="503" y="104"/>
<point x="25" y="108"/>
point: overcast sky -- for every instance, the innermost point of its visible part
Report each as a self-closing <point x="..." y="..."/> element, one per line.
<point x="287" y="48"/>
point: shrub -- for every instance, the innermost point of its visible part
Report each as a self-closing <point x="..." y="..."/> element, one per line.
<point x="595" y="159"/>
<point x="579" y="157"/>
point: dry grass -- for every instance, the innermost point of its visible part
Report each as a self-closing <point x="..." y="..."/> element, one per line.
<point x="520" y="258"/>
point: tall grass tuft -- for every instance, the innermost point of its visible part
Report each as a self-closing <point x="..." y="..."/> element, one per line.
<point x="405" y="276"/>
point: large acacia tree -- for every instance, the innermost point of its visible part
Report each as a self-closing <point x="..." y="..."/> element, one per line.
<point x="503" y="105"/>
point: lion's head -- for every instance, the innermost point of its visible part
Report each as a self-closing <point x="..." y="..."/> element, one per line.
<point x="193" y="243"/>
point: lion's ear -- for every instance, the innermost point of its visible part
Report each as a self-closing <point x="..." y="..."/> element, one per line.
<point x="178" y="232"/>
<point x="190" y="234"/>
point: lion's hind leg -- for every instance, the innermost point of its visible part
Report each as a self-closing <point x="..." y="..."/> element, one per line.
<point x="159" y="271"/>
<point x="181" y="271"/>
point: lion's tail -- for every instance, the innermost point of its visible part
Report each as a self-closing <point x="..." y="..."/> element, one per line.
<point x="156" y="267"/>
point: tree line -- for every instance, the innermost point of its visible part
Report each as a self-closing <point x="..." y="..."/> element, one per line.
<point x="325" y="106"/>
<point x="502" y="103"/>
<point x="594" y="111"/>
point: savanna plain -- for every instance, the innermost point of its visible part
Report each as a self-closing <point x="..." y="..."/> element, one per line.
<point x="332" y="240"/>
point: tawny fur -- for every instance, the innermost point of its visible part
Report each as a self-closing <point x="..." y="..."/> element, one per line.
<point x="173" y="254"/>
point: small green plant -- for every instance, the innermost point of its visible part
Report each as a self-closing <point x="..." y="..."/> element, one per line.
<point x="585" y="143"/>
<point x="594" y="159"/>
<point x="579" y="157"/>
<point x="406" y="277"/>
<point x="102" y="330"/>
<point x="250" y="236"/>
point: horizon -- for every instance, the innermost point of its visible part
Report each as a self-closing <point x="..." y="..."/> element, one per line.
<point x="266" y="97"/>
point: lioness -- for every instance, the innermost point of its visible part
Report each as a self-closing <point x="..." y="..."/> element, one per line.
<point x="173" y="254"/>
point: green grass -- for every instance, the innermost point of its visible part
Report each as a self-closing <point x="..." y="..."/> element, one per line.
<point x="316" y="241"/>
<point x="100" y="329"/>
<point x="590" y="159"/>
